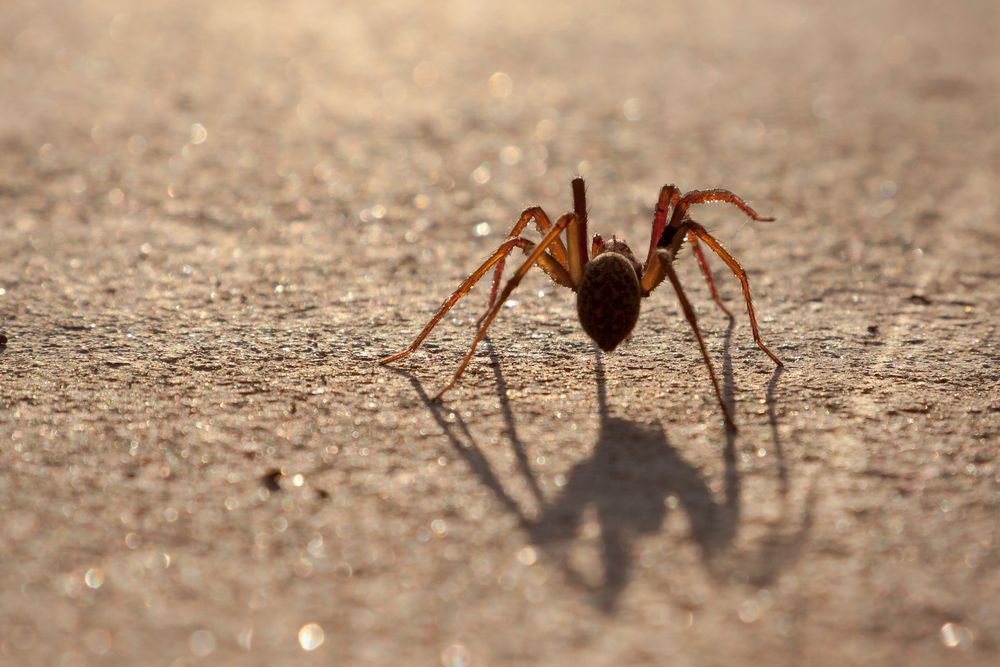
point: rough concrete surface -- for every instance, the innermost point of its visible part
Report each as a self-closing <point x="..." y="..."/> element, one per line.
<point x="216" y="217"/>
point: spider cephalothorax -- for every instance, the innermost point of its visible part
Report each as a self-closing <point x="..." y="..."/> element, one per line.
<point x="609" y="281"/>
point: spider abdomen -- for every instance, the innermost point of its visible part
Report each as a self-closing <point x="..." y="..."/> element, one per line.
<point x="607" y="301"/>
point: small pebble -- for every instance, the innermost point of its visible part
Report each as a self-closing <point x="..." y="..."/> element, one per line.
<point x="270" y="480"/>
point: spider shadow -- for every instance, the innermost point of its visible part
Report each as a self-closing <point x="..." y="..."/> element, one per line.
<point x="634" y="474"/>
<point x="631" y="478"/>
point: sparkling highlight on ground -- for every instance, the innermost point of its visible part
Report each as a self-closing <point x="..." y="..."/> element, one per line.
<point x="311" y="636"/>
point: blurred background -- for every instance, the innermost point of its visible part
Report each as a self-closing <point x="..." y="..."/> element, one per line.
<point x="215" y="217"/>
<point x="320" y="109"/>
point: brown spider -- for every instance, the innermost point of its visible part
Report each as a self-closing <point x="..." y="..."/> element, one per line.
<point x="609" y="282"/>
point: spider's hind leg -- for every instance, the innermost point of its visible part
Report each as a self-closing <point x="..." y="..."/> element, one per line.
<point x="558" y="250"/>
<point x="498" y="256"/>
<point x="549" y="264"/>
<point x="536" y="256"/>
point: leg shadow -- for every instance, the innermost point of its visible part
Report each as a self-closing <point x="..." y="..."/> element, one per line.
<point x="465" y="446"/>
<point x="772" y="419"/>
<point x="520" y="451"/>
<point x="779" y="549"/>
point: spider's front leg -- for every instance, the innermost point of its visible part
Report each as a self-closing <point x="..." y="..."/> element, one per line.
<point x="662" y="237"/>
<point x="669" y="196"/>
<point x="707" y="196"/>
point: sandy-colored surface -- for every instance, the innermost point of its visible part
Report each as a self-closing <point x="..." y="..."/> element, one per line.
<point x="216" y="217"/>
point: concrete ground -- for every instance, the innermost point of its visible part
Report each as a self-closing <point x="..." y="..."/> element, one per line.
<point x="216" y="217"/>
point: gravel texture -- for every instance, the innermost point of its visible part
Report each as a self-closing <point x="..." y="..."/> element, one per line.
<point x="216" y="217"/>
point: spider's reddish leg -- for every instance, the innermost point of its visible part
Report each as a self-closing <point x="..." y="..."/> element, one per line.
<point x="580" y="208"/>
<point x="696" y="247"/>
<point x="535" y="255"/>
<point x="712" y="243"/>
<point x="544" y="225"/>
<point x="664" y="260"/>
<point x="576" y="233"/>
<point x="706" y="196"/>
<point x="669" y="195"/>
<point x="548" y="263"/>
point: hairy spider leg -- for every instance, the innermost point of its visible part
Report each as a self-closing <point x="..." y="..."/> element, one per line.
<point x="558" y="250"/>
<point x="576" y="234"/>
<point x="662" y="265"/>
<point x="535" y="256"/>
<point x="547" y="262"/>
<point x="543" y="223"/>
<point x="714" y="244"/>
<point x="669" y="195"/>
<point x="696" y="247"/>
<point x="706" y="196"/>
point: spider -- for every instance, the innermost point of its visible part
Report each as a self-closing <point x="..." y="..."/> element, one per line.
<point x="609" y="281"/>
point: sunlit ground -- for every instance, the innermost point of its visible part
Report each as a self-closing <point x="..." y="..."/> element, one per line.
<point x="216" y="217"/>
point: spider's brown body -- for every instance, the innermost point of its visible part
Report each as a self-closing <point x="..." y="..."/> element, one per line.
<point x="608" y="280"/>
<point x="607" y="301"/>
